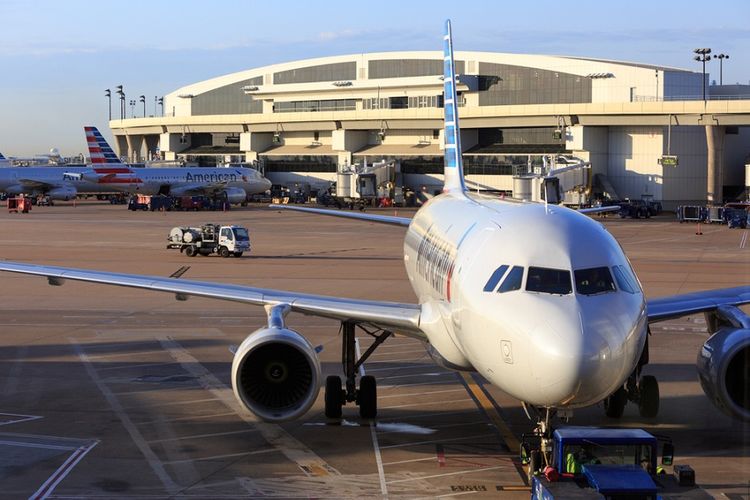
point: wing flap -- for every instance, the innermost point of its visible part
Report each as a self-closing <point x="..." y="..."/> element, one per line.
<point x="400" y="317"/>
<point x="674" y="306"/>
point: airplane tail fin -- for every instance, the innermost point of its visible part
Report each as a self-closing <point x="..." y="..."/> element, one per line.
<point x="99" y="150"/>
<point x="453" y="165"/>
<point x="2" y="157"/>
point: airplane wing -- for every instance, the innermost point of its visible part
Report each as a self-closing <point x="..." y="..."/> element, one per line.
<point x="598" y="210"/>
<point x="382" y="219"/>
<point x="35" y="184"/>
<point x="398" y="317"/>
<point x="674" y="306"/>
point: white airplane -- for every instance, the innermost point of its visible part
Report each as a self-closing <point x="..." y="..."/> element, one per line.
<point x="59" y="183"/>
<point x="232" y="183"/>
<point x="538" y="299"/>
<point x="4" y="162"/>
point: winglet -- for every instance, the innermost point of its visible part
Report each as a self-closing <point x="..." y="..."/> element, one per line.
<point x="99" y="150"/>
<point x="453" y="166"/>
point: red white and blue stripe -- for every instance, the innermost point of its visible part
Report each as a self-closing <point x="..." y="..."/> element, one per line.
<point x="453" y="165"/>
<point x="99" y="150"/>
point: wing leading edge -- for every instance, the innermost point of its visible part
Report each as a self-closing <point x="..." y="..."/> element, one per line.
<point x="381" y="219"/>
<point x="399" y="317"/>
<point x="674" y="306"/>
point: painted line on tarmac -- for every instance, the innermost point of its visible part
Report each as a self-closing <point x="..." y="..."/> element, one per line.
<point x="436" y="441"/>
<point x="56" y="478"/>
<point x="489" y="407"/>
<point x="156" y="465"/>
<point x="307" y="460"/>
<point x="743" y="239"/>
<point x="222" y="457"/>
<point x="462" y="471"/>
<point x="202" y="436"/>
<point x="373" y="433"/>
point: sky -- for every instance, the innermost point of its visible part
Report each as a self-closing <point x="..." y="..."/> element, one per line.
<point x="58" y="57"/>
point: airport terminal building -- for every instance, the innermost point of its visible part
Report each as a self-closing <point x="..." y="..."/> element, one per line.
<point x="302" y="120"/>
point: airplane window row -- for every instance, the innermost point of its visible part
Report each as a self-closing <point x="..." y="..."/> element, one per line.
<point x="592" y="281"/>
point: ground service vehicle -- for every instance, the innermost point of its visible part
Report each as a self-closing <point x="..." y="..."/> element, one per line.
<point x="208" y="239"/>
<point x="589" y="462"/>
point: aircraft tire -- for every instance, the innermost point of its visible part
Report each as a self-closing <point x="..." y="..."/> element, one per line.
<point x="334" y="399"/>
<point x="368" y="397"/>
<point x="614" y="405"/>
<point x="648" y="404"/>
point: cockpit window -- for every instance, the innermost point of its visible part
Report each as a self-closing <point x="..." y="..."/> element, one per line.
<point x="624" y="280"/>
<point x="495" y="278"/>
<point x="545" y="280"/>
<point x="512" y="281"/>
<point x="593" y="281"/>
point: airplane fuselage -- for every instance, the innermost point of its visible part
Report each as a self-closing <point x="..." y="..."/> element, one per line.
<point x="151" y="181"/>
<point x="498" y="284"/>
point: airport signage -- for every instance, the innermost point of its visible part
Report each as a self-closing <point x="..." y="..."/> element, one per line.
<point x="668" y="161"/>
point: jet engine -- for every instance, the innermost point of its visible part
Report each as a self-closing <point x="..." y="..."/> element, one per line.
<point x="235" y="195"/>
<point x="724" y="362"/>
<point x="62" y="193"/>
<point x="276" y="374"/>
<point x="15" y="190"/>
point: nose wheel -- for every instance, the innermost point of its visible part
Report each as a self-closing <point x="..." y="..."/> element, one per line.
<point x="337" y="394"/>
<point x="642" y="390"/>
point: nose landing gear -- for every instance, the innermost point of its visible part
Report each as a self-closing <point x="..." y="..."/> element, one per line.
<point x="366" y="396"/>
<point x="640" y="389"/>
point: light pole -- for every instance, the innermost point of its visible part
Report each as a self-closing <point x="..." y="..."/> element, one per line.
<point x="108" y="94"/>
<point x="161" y="103"/>
<point x="121" y="93"/>
<point x="132" y="108"/>
<point x="143" y="100"/>
<point x="703" y="56"/>
<point x="721" y="58"/>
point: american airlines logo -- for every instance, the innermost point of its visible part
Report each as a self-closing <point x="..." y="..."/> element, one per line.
<point x="435" y="261"/>
<point x="214" y="177"/>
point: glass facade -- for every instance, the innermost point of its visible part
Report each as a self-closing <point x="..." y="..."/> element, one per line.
<point x="311" y="106"/>
<point x="323" y="73"/>
<point x="502" y="84"/>
<point x="228" y="100"/>
<point x="399" y="68"/>
<point x="303" y="163"/>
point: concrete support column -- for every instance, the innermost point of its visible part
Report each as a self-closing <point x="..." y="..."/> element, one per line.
<point x="135" y="144"/>
<point x="122" y="146"/>
<point x="171" y="144"/>
<point x="254" y="143"/>
<point x="346" y="143"/>
<point x="715" y="164"/>
<point x="152" y="144"/>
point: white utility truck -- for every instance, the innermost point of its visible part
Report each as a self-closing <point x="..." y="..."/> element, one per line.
<point x="208" y="239"/>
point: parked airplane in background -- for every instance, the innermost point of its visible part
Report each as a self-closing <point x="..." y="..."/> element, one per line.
<point x="4" y="162"/>
<point x="538" y="299"/>
<point x="59" y="183"/>
<point x="232" y="183"/>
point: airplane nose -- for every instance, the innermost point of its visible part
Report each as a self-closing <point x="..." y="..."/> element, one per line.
<point x="582" y="355"/>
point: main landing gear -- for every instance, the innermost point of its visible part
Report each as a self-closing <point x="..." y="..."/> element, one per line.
<point x="366" y="396"/>
<point x="642" y="390"/>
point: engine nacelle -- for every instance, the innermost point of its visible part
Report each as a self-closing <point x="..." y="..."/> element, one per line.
<point x="724" y="371"/>
<point x="276" y="374"/>
<point x="235" y="195"/>
<point x="62" y="193"/>
<point x="15" y="190"/>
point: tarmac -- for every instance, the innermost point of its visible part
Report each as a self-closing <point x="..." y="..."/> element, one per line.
<point x="111" y="392"/>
